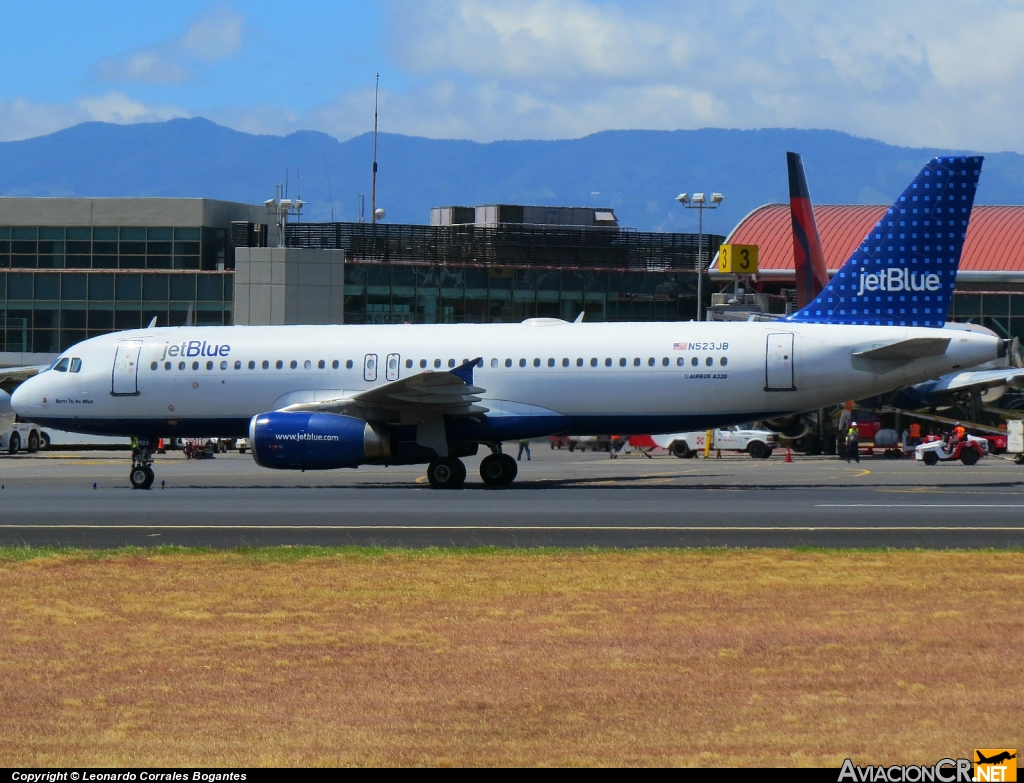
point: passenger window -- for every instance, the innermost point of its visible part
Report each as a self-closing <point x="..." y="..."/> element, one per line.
<point x="536" y="362"/>
<point x="307" y="365"/>
<point x="423" y="364"/>
<point x="622" y="362"/>
<point x="167" y="365"/>
<point x="279" y="364"/>
<point x="335" y="364"/>
<point x="181" y="365"/>
<point x="522" y="362"/>
<point x="348" y="365"/>
<point x="209" y="365"/>
<point x="266" y="365"/>
<point x="709" y="361"/>
<point x="320" y="365"/>
<point x="153" y="366"/>
<point x="451" y="362"/>
<point x="680" y="361"/>
<point x="694" y="361"/>
<point x="62" y="365"/>
<point x="238" y="365"/>
<point x="579" y="362"/>
<point x="607" y="362"/>
<point x="593" y="362"/>
<point x="195" y="365"/>
<point x="664" y="361"/>
<point x="408" y="364"/>
<point x="650" y="362"/>
<point x="223" y="365"/>
<point x="508" y="362"/>
<point x="724" y="361"/>
<point x="636" y="362"/>
<point x="76" y="365"/>
<point x="494" y="362"/>
<point x="252" y="365"/>
<point x="565" y="362"/>
<point x="551" y="362"/>
<point x="437" y="364"/>
<point x="293" y="364"/>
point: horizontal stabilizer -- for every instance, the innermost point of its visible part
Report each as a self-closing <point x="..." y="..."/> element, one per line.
<point x="979" y="379"/>
<point x="19" y="374"/>
<point x="906" y="350"/>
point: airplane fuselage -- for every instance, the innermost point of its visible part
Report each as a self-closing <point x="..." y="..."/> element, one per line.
<point x="539" y="378"/>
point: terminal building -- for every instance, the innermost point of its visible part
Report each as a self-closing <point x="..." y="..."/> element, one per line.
<point x="73" y="268"/>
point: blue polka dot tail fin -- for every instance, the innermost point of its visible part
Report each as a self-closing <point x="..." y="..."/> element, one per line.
<point x="904" y="271"/>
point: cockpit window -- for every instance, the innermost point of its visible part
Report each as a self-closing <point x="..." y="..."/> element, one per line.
<point x="62" y="365"/>
<point x="76" y="365"/>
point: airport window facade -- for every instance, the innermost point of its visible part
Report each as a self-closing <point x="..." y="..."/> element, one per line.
<point x="1002" y="312"/>
<point x="382" y="293"/>
<point x="49" y="311"/>
<point x="114" y="247"/>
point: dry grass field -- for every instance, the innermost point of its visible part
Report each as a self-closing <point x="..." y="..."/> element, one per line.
<point x="287" y="657"/>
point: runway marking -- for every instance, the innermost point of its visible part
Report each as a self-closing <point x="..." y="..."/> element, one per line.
<point x="919" y="505"/>
<point x="558" y="528"/>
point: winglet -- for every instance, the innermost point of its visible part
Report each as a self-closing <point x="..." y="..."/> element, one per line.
<point x="465" y="370"/>
<point x="152" y="323"/>
<point x="579" y="318"/>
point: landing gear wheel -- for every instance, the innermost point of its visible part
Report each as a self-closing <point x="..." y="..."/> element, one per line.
<point x="757" y="450"/>
<point x="33" y="442"/>
<point x="446" y="473"/>
<point x="14" y="444"/>
<point x="498" y="470"/>
<point x="681" y="450"/>
<point x="141" y="477"/>
<point x="930" y="458"/>
<point x="969" y="456"/>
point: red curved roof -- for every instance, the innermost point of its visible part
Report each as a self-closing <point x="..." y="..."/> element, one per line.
<point x="995" y="236"/>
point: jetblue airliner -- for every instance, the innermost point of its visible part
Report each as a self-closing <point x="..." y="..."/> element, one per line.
<point x="318" y="397"/>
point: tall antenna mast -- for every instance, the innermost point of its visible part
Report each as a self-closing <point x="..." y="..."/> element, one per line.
<point x="373" y="189"/>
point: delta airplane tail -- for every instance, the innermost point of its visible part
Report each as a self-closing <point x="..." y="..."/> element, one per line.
<point x="904" y="271"/>
<point x="808" y="257"/>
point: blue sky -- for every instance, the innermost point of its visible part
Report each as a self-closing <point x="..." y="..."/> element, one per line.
<point x="942" y="73"/>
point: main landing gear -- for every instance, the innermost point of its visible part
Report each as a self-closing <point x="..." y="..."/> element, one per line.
<point x="141" y="474"/>
<point x="496" y="469"/>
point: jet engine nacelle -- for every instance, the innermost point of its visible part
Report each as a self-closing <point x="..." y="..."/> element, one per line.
<point x="315" y="441"/>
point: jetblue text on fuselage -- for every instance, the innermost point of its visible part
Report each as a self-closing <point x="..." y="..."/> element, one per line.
<point x="896" y="279"/>
<point x="195" y="348"/>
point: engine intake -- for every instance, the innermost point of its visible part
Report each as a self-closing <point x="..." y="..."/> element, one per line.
<point x="315" y="441"/>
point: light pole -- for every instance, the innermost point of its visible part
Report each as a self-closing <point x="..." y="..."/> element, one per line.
<point x="699" y="203"/>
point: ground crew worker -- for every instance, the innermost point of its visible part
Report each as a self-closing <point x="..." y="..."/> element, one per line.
<point x="524" y="445"/>
<point x="853" y="443"/>
<point x="915" y="435"/>
<point x="959" y="433"/>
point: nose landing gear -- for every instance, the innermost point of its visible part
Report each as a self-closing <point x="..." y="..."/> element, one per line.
<point x="141" y="474"/>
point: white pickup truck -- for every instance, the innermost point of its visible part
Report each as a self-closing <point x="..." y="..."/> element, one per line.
<point x="759" y="444"/>
<point x="15" y="436"/>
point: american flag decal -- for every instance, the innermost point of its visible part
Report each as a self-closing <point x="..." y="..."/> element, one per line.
<point x="680" y="346"/>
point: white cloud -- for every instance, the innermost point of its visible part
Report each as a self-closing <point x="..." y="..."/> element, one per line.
<point x="913" y="73"/>
<point x="213" y="36"/>
<point x="23" y="119"/>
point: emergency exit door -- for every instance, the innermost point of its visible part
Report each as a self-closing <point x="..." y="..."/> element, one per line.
<point x="125" y="378"/>
<point x="370" y="367"/>
<point x="779" y="362"/>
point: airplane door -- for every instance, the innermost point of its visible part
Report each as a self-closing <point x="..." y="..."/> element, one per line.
<point x="125" y="379"/>
<point x="370" y="367"/>
<point x="779" y="362"/>
<point x="393" y="367"/>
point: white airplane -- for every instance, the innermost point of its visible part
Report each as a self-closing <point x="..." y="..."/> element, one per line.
<point x="318" y="397"/>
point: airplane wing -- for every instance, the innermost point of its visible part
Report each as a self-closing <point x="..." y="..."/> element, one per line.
<point x="906" y="350"/>
<point x="19" y="374"/>
<point x="980" y="379"/>
<point x="411" y="400"/>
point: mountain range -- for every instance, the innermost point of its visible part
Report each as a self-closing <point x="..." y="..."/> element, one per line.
<point x="636" y="172"/>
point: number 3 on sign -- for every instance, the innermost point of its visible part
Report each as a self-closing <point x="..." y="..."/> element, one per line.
<point x="737" y="259"/>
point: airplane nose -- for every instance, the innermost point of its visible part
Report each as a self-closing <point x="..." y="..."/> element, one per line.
<point x="22" y="397"/>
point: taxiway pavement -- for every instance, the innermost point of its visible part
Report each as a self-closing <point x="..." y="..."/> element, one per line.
<point x="559" y="499"/>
